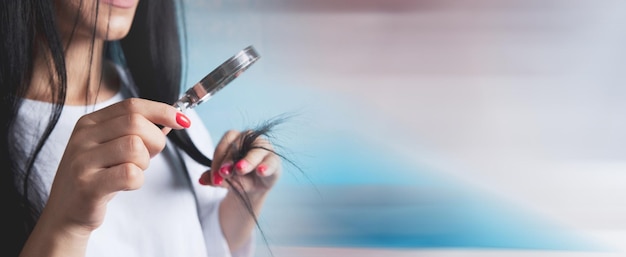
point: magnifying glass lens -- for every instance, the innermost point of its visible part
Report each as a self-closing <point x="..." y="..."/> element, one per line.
<point x="217" y="79"/>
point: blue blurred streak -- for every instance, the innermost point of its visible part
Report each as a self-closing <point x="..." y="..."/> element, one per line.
<point x="378" y="216"/>
<point x="355" y="193"/>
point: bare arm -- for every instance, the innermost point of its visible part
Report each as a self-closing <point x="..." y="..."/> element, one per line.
<point x="52" y="239"/>
<point x="236" y="222"/>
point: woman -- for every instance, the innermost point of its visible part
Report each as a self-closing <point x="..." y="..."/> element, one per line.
<point x="87" y="172"/>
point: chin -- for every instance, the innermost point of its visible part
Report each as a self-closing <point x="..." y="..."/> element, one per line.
<point x="117" y="28"/>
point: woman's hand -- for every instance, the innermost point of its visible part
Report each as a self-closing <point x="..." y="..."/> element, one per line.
<point x="256" y="172"/>
<point x="253" y="175"/>
<point x="107" y="152"/>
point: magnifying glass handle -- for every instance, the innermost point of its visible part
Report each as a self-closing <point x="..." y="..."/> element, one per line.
<point x="217" y="79"/>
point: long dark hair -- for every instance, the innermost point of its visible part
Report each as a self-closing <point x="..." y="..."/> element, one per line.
<point x="152" y="51"/>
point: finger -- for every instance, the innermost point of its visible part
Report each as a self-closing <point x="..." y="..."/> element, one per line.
<point x="270" y="165"/>
<point x="131" y="124"/>
<point x="166" y="130"/>
<point x="261" y="149"/>
<point x="156" y="112"/>
<point x="127" y="149"/>
<point x="211" y="178"/>
<point x="223" y="149"/>
<point x="122" y="177"/>
<point x="226" y="169"/>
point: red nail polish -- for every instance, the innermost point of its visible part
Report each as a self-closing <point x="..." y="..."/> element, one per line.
<point x="217" y="179"/>
<point x="241" y="165"/>
<point x="204" y="179"/>
<point x="262" y="169"/>
<point x="183" y="120"/>
<point x="226" y="169"/>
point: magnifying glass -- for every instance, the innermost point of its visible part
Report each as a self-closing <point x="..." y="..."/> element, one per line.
<point x="217" y="79"/>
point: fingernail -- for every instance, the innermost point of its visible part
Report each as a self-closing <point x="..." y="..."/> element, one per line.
<point x="204" y="179"/>
<point x="226" y="169"/>
<point x="183" y="120"/>
<point x="241" y="165"/>
<point x="261" y="169"/>
<point x="217" y="179"/>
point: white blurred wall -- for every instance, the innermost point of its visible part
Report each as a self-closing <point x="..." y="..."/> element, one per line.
<point x="525" y="99"/>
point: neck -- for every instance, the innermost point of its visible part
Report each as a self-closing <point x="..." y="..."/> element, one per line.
<point x="88" y="79"/>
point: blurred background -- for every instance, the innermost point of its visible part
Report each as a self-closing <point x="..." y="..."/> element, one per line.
<point x="429" y="127"/>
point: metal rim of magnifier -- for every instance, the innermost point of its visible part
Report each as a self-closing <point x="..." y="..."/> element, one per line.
<point x="230" y="69"/>
<point x="217" y="78"/>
